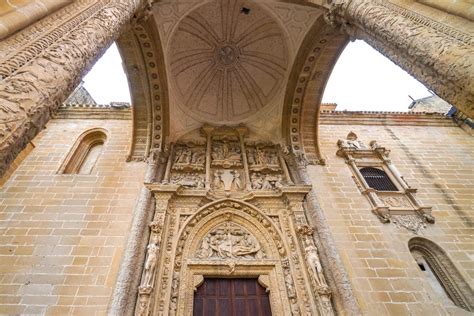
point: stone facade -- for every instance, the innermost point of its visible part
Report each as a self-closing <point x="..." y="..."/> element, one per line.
<point x="225" y="166"/>
<point x="63" y="235"/>
<point x="437" y="160"/>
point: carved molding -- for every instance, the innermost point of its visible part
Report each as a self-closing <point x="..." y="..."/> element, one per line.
<point x="314" y="62"/>
<point x="401" y="206"/>
<point x="436" y="54"/>
<point x="39" y="86"/>
<point x="448" y="275"/>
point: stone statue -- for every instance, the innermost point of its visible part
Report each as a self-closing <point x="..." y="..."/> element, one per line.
<point x="266" y="183"/>
<point x="260" y="158"/>
<point x="290" y="287"/>
<point x="236" y="181"/>
<point x="150" y="264"/>
<point x="256" y="181"/>
<point x="218" y="183"/>
<point x="251" y="156"/>
<point x="314" y="264"/>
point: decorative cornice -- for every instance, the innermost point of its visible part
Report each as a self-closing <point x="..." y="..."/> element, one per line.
<point x="384" y="118"/>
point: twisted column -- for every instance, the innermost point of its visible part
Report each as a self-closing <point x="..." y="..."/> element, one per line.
<point x="40" y="75"/>
<point x="436" y="54"/>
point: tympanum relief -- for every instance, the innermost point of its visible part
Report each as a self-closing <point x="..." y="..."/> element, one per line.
<point x="226" y="206"/>
<point x="229" y="241"/>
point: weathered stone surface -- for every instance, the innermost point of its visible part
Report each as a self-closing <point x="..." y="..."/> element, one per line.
<point x="41" y="82"/>
<point x="436" y="54"/>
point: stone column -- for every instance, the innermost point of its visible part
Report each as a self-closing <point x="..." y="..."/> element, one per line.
<point x="15" y="18"/>
<point x="436" y="54"/>
<point x="124" y="295"/>
<point x="37" y="78"/>
<point x="242" y="132"/>
<point x="207" y="130"/>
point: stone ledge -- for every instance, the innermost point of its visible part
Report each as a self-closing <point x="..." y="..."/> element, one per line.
<point x="384" y="118"/>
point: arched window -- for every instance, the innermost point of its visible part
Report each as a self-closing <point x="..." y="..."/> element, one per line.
<point x="85" y="153"/>
<point x="441" y="273"/>
<point x="377" y="179"/>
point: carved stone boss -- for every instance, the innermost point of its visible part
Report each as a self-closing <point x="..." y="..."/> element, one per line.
<point x="401" y="206"/>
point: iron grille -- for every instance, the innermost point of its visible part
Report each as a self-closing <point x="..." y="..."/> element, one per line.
<point x="377" y="179"/>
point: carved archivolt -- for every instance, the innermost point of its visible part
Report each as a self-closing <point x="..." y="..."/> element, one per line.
<point x="458" y="290"/>
<point x="230" y="238"/>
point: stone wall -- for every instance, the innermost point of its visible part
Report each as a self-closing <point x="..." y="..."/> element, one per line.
<point x="438" y="161"/>
<point x="62" y="236"/>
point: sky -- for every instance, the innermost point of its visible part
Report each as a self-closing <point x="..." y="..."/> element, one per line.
<point x="362" y="79"/>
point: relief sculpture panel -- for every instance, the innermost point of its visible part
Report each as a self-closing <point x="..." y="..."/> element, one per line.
<point x="230" y="217"/>
<point x="230" y="241"/>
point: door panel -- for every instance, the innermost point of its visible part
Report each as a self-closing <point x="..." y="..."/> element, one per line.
<point x="231" y="297"/>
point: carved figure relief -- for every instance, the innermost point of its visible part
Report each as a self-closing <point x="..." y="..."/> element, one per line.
<point x="226" y="154"/>
<point x="314" y="263"/>
<point x="230" y="241"/>
<point x="189" y="158"/>
<point x="190" y="180"/>
<point x="263" y="158"/>
<point x="150" y="264"/>
<point x="261" y="181"/>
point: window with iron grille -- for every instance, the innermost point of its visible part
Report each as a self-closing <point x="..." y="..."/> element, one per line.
<point x="377" y="179"/>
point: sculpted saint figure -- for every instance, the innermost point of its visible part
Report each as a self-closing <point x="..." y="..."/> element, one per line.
<point x="236" y="181"/>
<point x="218" y="183"/>
<point x="290" y="287"/>
<point x="266" y="184"/>
<point x="150" y="264"/>
<point x="256" y="182"/>
<point x="251" y="156"/>
<point x="260" y="158"/>
<point x="314" y="263"/>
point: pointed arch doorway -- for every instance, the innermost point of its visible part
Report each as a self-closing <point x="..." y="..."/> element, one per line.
<point x="231" y="297"/>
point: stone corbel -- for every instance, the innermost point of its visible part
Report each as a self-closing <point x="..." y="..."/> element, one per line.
<point x="198" y="280"/>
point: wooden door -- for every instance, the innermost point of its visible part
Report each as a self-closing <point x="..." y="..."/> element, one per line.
<point x="231" y="297"/>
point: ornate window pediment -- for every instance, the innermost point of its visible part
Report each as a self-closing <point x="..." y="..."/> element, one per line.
<point x="392" y="199"/>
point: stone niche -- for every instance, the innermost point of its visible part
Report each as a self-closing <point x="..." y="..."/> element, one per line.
<point x="227" y="207"/>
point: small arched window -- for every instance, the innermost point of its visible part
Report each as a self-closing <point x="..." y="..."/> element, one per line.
<point x="85" y="153"/>
<point x="377" y="179"/>
<point x="443" y="276"/>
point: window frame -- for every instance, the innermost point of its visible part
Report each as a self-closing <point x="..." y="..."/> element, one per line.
<point x="77" y="154"/>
